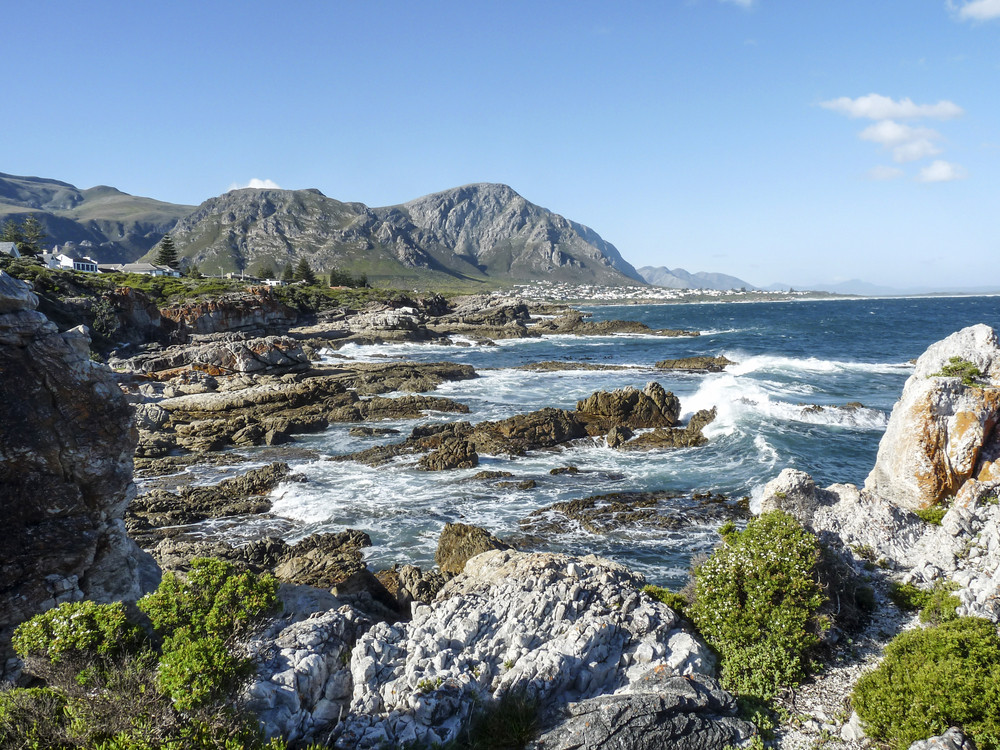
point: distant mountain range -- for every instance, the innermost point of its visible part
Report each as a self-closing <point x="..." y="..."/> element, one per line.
<point x="678" y="278"/>
<point x="112" y="226"/>
<point x="483" y="233"/>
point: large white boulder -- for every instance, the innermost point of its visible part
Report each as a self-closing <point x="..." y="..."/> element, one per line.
<point x="941" y="432"/>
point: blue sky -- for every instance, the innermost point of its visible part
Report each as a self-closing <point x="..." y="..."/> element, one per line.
<point x="799" y="142"/>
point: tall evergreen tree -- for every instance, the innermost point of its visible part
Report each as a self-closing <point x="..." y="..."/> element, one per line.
<point x="33" y="235"/>
<point x="167" y="254"/>
<point x="288" y="274"/>
<point x="304" y="272"/>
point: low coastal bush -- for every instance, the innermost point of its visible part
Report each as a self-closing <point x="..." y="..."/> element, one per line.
<point x="931" y="679"/>
<point x="936" y="605"/>
<point x="961" y="368"/>
<point x="757" y="602"/>
<point x="933" y="515"/>
<point x="677" y="602"/>
<point x="110" y="687"/>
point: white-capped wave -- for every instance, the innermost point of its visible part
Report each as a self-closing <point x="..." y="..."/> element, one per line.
<point x="743" y="401"/>
<point x="773" y="363"/>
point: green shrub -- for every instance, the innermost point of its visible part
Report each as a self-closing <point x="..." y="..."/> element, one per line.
<point x="940" y="604"/>
<point x="933" y="515"/>
<point x="961" y="368"/>
<point x="30" y="717"/>
<point x="110" y="688"/>
<point x="74" y="629"/>
<point x="199" y="671"/>
<point x="934" y="678"/>
<point x="212" y="600"/>
<point x="907" y="596"/>
<point x="677" y="602"/>
<point x="756" y="602"/>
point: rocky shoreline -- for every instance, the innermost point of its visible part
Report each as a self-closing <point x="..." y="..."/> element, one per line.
<point x="363" y="658"/>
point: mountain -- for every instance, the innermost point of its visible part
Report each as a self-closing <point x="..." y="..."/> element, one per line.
<point x="480" y="233"/>
<point x="109" y="225"/>
<point x="678" y="278"/>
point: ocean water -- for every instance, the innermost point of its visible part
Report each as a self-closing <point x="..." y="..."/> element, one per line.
<point x="789" y="355"/>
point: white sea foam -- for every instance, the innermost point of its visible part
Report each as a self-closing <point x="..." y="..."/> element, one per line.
<point x="771" y="363"/>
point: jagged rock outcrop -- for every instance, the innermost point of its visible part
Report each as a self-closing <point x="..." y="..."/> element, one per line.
<point x="561" y="630"/>
<point x="148" y="514"/>
<point x="941" y="432"/>
<point x="459" y="542"/>
<point x="254" y="310"/>
<point x="610" y="412"/>
<point x="66" y="442"/>
<point x="234" y="354"/>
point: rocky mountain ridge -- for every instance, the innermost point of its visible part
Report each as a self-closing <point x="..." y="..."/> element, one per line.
<point x="678" y="278"/>
<point x="483" y="233"/>
<point x="476" y="233"/>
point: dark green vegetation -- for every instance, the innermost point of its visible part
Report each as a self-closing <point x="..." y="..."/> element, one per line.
<point x="931" y="679"/>
<point x="166" y="252"/>
<point x="27" y="234"/>
<point x="961" y="368"/>
<point x="936" y="605"/>
<point x="677" y="602"/>
<point x="109" y="685"/>
<point x="934" y="514"/>
<point x="757" y="602"/>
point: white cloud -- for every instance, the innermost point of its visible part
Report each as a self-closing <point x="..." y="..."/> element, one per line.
<point x="907" y="143"/>
<point x="255" y="183"/>
<point x="976" y="10"/>
<point x="941" y="171"/>
<point x="916" y="150"/>
<point x="882" y="173"/>
<point x="741" y="3"/>
<point x="878" y="107"/>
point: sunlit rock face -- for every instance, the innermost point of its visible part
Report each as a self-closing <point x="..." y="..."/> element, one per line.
<point x="66" y="443"/>
<point x="942" y="432"/>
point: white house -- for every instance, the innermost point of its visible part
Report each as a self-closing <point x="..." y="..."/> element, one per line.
<point x="148" y="269"/>
<point x="9" y="248"/>
<point x="60" y="261"/>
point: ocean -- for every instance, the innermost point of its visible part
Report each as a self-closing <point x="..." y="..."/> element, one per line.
<point x="791" y="357"/>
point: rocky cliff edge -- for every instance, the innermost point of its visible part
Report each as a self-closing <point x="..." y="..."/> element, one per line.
<point x="66" y="443"/>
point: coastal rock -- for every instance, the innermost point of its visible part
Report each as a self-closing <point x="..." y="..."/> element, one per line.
<point x="454" y="453"/>
<point x="661" y="509"/>
<point x="574" y="323"/>
<point x="940" y="429"/>
<point x="66" y="443"/>
<point x="245" y="494"/>
<point x="953" y="739"/>
<point x="459" y="542"/>
<point x="795" y="493"/>
<point x="630" y="407"/>
<point x="256" y="309"/>
<point x="557" y="629"/>
<point x="416" y="585"/>
<point x="238" y="355"/>
<point x="303" y="682"/>
<point x="695" y="364"/>
<point x="659" y="711"/>
<point x="964" y="549"/>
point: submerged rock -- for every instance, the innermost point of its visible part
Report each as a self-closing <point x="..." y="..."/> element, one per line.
<point x="695" y="364"/>
<point x="662" y="509"/>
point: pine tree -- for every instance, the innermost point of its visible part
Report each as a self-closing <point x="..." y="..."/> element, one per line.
<point x="33" y="235"/>
<point x="167" y="254"/>
<point x="288" y="274"/>
<point x="264" y="271"/>
<point x="304" y="272"/>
